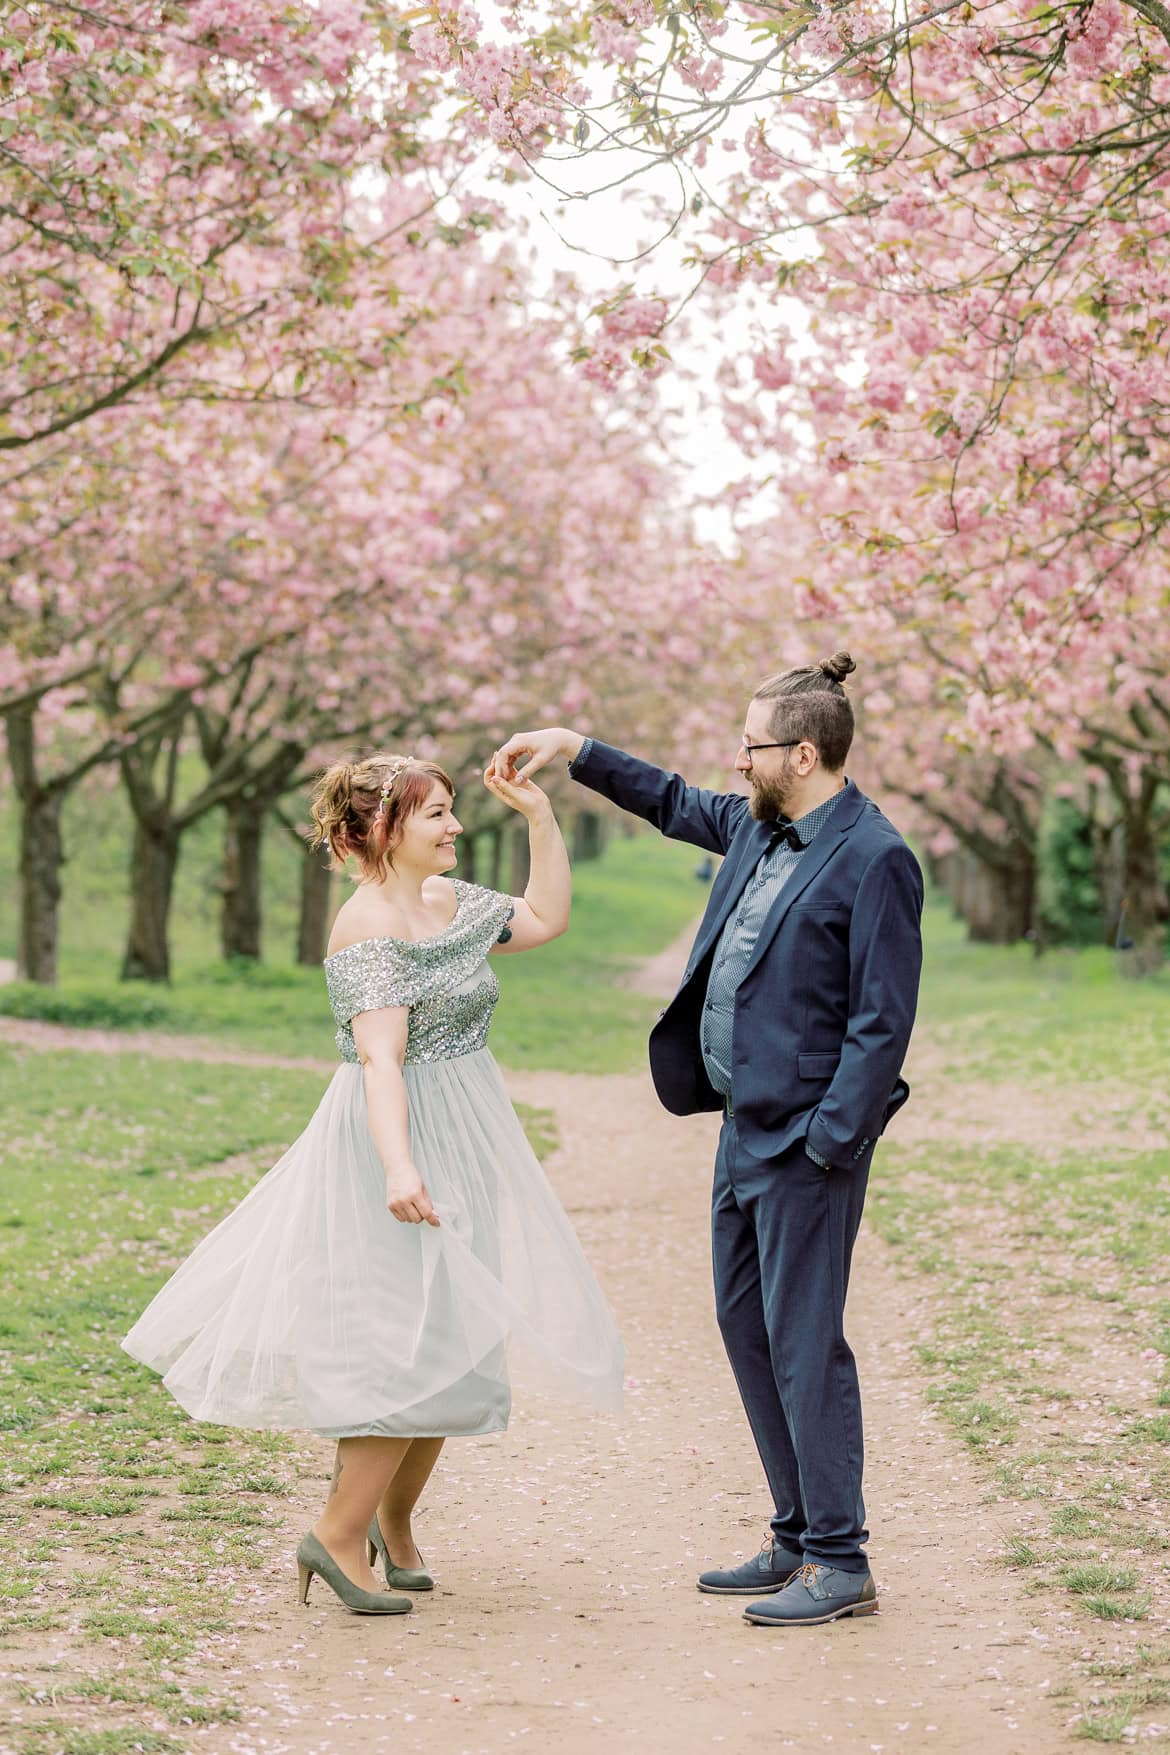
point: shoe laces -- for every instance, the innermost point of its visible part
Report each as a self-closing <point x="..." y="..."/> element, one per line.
<point x="806" y="1576"/>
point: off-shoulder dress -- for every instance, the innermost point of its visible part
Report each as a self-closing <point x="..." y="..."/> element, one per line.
<point x="311" y="1307"/>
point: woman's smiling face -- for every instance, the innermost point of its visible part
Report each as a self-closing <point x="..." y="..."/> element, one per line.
<point x="428" y="833"/>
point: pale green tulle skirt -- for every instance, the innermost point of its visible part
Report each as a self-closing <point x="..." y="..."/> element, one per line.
<point x="311" y="1307"/>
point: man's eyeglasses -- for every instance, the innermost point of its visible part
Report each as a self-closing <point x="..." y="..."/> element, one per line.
<point x="749" y="749"/>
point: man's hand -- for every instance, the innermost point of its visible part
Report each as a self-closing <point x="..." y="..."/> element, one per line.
<point x="407" y="1197"/>
<point x="540" y="747"/>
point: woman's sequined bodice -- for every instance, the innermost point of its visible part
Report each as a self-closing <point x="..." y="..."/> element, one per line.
<point x="445" y="980"/>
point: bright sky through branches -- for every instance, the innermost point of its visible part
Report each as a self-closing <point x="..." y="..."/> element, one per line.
<point x="612" y="215"/>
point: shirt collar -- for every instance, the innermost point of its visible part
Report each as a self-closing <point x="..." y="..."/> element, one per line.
<point x="814" y="820"/>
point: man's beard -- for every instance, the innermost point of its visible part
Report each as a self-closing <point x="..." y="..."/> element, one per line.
<point x="770" y="798"/>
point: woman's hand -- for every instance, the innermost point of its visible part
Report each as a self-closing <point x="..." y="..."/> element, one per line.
<point x="518" y="795"/>
<point x="407" y="1197"/>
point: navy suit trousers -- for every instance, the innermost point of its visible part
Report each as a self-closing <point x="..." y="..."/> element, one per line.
<point x="782" y="1233"/>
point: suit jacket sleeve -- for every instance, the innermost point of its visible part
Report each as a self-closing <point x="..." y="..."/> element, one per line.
<point x="685" y="813"/>
<point x="885" y="961"/>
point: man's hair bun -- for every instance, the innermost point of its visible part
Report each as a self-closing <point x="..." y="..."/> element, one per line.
<point x="810" y="706"/>
<point x="838" y="667"/>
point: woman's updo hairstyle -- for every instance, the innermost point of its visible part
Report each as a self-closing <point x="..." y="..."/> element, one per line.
<point x="809" y="705"/>
<point x="359" y="808"/>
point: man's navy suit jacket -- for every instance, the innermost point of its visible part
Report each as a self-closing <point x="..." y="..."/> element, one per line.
<point x="824" y="1012"/>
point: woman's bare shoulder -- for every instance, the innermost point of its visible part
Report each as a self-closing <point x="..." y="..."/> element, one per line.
<point x="361" y="918"/>
<point x="355" y="920"/>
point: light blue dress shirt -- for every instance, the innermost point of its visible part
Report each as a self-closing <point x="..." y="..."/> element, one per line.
<point x="737" y="941"/>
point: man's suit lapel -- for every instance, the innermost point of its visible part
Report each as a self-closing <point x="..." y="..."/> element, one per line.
<point x="830" y="840"/>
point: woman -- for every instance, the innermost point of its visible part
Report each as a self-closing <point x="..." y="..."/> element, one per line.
<point x="381" y="1281"/>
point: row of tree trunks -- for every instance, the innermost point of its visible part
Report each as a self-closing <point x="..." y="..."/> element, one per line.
<point x="998" y="898"/>
<point x="992" y="884"/>
<point x="997" y="903"/>
<point x="991" y="876"/>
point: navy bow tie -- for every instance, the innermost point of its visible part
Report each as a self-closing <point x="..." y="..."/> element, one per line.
<point x="784" y="831"/>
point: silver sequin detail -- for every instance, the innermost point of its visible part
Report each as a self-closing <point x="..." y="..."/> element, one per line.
<point x="445" y="980"/>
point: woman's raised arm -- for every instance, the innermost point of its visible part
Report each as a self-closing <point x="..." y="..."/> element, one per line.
<point x="542" y="912"/>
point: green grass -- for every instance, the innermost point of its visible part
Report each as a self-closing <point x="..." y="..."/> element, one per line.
<point x="562" y="1006"/>
<point x="1039" y="1263"/>
<point x="1020" y="1553"/>
<point x="1069" y="1015"/>
<point x="126" y="1741"/>
<point x="1106" y="1727"/>
<point x="1092" y="1579"/>
<point x="1031" y="1260"/>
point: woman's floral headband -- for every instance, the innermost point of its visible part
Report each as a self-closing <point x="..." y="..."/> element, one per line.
<point x="390" y="776"/>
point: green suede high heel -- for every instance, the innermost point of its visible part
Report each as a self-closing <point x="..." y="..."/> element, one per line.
<point x="312" y="1559"/>
<point x="397" y="1577"/>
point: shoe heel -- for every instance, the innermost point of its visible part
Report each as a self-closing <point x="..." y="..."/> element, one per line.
<point x="371" y="1551"/>
<point x="866" y="1608"/>
<point x="304" y="1580"/>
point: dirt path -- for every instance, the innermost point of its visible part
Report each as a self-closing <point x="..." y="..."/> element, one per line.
<point x="566" y="1549"/>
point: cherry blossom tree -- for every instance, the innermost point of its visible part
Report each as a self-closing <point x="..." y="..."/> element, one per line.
<point x="210" y="211"/>
<point x="257" y="588"/>
<point x="188" y="187"/>
<point x="947" y="228"/>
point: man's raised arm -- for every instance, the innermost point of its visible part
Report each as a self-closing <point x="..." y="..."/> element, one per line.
<point x="684" y="813"/>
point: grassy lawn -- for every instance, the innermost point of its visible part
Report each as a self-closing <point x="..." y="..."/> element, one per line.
<point x="1042" y="1262"/>
<point x="1046" y="1273"/>
<point x="563" y="1006"/>
<point x="1068" y="1016"/>
<point x="96" y="1155"/>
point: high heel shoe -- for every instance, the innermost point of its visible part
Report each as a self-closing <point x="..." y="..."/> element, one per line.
<point x="397" y="1577"/>
<point x="313" y="1558"/>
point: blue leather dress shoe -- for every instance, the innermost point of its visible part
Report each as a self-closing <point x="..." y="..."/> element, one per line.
<point x="816" y="1594"/>
<point x="770" y="1569"/>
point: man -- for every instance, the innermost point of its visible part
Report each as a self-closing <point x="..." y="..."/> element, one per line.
<point x="793" y="1017"/>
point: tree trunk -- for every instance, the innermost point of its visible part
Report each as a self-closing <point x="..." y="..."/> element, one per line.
<point x="316" y="892"/>
<point x="997" y="902"/>
<point x="943" y="870"/>
<point x="42" y="853"/>
<point x="153" y="861"/>
<point x="468" y="850"/>
<point x="521" y="864"/>
<point x="588" y="836"/>
<point x="1109" y="866"/>
<point x="1142" y="935"/>
<point x="497" y="858"/>
<point x="242" y="848"/>
<point x="41" y="857"/>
